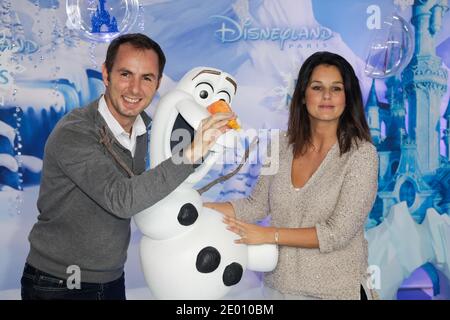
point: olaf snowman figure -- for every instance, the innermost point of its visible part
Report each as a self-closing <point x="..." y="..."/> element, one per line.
<point x="186" y="251"/>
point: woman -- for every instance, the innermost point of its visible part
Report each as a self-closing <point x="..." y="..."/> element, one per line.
<point x="322" y="193"/>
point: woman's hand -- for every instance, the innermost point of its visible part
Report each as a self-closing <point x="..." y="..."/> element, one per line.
<point x="250" y="233"/>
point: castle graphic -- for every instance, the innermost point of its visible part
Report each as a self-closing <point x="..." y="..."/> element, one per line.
<point x="407" y="133"/>
<point x="412" y="168"/>
<point x="102" y="18"/>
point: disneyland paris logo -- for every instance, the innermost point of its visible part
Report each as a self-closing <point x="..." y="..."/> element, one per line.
<point x="232" y="31"/>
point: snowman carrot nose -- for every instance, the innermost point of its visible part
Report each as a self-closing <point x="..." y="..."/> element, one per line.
<point x="222" y="106"/>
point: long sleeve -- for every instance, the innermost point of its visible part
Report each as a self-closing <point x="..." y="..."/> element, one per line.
<point x="86" y="199"/>
<point x="83" y="160"/>
<point x="356" y="199"/>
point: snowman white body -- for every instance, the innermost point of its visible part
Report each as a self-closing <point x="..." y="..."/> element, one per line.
<point x="193" y="257"/>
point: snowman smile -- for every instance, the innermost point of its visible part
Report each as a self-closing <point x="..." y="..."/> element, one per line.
<point x="181" y="124"/>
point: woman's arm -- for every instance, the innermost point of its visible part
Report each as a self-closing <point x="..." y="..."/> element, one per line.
<point x="253" y="208"/>
<point x="256" y="234"/>
<point x="357" y="196"/>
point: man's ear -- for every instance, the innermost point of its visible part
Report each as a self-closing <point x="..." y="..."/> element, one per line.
<point x="159" y="82"/>
<point x="105" y="75"/>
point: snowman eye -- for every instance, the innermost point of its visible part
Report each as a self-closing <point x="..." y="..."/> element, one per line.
<point x="203" y="90"/>
<point x="223" y="95"/>
<point x="203" y="94"/>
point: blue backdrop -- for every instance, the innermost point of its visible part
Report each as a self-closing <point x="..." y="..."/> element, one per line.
<point x="400" y="50"/>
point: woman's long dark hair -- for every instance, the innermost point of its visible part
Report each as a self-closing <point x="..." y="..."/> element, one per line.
<point x="352" y="123"/>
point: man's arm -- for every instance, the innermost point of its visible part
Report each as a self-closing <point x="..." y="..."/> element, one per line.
<point x="83" y="160"/>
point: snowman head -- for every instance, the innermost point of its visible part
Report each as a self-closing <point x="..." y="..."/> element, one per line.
<point x="201" y="87"/>
<point x="207" y="85"/>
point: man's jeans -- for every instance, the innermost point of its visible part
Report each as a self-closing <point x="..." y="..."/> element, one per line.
<point x="38" y="285"/>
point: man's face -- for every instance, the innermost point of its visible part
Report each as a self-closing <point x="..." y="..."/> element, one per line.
<point x="131" y="84"/>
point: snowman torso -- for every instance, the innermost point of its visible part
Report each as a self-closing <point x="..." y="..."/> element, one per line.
<point x="186" y="250"/>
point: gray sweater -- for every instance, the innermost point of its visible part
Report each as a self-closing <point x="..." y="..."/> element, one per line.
<point x="336" y="200"/>
<point x="86" y="199"/>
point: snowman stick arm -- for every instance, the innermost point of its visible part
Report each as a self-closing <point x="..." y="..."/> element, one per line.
<point x="232" y="173"/>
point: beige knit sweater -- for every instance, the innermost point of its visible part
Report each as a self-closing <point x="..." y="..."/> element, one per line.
<point x="336" y="200"/>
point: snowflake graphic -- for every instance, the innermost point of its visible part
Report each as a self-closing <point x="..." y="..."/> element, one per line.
<point x="281" y="96"/>
<point x="283" y="93"/>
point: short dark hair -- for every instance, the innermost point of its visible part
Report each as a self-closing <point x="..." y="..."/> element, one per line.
<point x="352" y="123"/>
<point x="138" y="41"/>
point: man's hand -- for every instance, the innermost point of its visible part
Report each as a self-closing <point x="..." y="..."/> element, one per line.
<point x="209" y="131"/>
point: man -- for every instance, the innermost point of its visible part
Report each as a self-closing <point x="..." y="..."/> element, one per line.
<point x="94" y="180"/>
